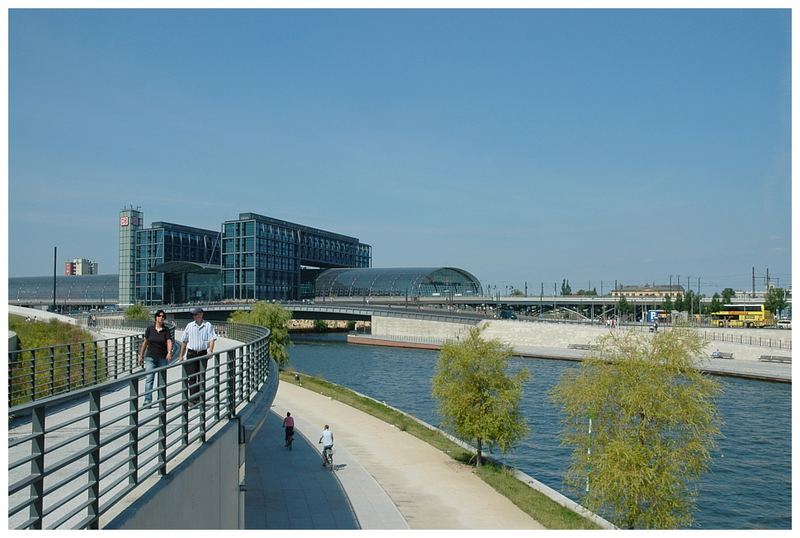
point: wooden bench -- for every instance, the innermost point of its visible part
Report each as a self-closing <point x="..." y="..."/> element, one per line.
<point x="721" y="355"/>
<point x="589" y="347"/>
<point x="775" y="358"/>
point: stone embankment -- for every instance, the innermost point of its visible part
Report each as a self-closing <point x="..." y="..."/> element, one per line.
<point x="743" y="348"/>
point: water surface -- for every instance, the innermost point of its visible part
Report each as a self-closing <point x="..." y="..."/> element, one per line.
<point x="747" y="487"/>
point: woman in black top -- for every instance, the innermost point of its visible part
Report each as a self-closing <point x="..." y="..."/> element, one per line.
<point x="158" y="344"/>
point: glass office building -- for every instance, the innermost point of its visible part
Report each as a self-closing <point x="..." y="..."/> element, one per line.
<point x="262" y="257"/>
<point x="397" y="282"/>
<point x="177" y="264"/>
<point x="252" y="258"/>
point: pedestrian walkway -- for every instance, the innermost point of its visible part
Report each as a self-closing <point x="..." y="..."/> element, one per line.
<point x="392" y="479"/>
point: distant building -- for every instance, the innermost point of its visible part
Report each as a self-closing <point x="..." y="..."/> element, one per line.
<point x="650" y="290"/>
<point x="80" y="267"/>
<point x="254" y="257"/>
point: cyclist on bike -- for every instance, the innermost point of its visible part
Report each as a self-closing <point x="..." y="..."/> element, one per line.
<point x="288" y="425"/>
<point x="327" y="443"/>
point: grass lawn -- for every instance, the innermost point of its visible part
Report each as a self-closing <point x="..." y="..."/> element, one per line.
<point x="55" y="365"/>
<point x="541" y="508"/>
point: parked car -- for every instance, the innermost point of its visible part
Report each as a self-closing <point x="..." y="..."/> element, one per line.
<point x="507" y="314"/>
<point x="784" y="324"/>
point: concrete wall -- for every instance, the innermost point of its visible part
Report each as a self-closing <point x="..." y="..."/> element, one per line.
<point x="540" y="336"/>
<point x="382" y="326"/>
<point x="201" y="493"/>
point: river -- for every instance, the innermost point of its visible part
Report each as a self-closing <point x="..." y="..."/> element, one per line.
<point x="747" y="487"/>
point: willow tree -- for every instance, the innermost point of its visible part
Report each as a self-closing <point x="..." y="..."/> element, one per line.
<point x="137" y="312"/>
<point x="643" y="423"/>
<point x="274" y="317"/>
<point x="478" y="399"/>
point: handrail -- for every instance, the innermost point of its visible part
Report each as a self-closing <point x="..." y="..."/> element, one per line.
<point x="73" y="456"/>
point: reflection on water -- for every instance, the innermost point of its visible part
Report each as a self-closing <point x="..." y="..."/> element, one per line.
<point x="748" y="486"/>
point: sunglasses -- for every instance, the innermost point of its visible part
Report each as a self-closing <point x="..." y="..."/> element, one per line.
<point x="161" y="316"/>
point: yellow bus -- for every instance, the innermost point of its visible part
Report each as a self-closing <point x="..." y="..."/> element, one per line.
<point x="743" y="315"/>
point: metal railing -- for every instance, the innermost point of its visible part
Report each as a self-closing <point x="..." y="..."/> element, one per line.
<point x="74" y="456"/>
<point x="749" y="340"/>
<point x="431" y="340"/>
<point x="38" y="373"/>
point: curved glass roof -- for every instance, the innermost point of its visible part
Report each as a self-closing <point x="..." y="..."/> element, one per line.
<point x="71" y="289"/>
<point x="402" y="281"/>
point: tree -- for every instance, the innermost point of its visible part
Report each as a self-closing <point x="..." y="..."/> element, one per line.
<point x="565" y="287"/>
<point x="320" y="326"/>
<point x="727" y="295"/>
<point x="679" y="303"/>
<point x="715" y="305"/>
<point x="274" y="317"/>
<point x="654" y="424"/>
<point x="517" y="293"/>
<point x="623" y="306"/>
<point x="668" y="306"/>
<point x="478" y="399"/>
<point x="775" y="300"/>
<point x="137" y="312"/>
<point x="691" y="302"/>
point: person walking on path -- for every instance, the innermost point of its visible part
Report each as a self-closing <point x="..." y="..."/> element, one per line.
<point x="327" y="443"/>
<point x="198" y="341"/>
<point x="288" y="426"/>
<point x="157" y="344"/>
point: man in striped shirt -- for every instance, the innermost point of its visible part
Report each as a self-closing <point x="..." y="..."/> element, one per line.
<point x="198" y="341"/>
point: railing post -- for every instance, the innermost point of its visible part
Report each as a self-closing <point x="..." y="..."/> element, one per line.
<point x="240" y="373"/>
<point x="94" y="459"/>
<point x="11" y="356"/>
<point x="133" y="436"/>
<point x="217" y="388"/>
<point x="250" y="371"/>
<point x="37" y="466"/>
<point x="52" y="381"/>
<point x="32" y="386"/>
<point x="184" y="405"/>
<point x="162" y="422"/>
<point x="116" y="353"/>
<point x="96" y="364"/>
<point x="201" y="366"/>
<point x="83" y="364"/>
<point x="231" y="380"/>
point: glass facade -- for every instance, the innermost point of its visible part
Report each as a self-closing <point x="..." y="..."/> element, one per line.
<point x="406" y="281"/>
<point x="165" y="242"/>
<point x="130" y="222"/>
<point x="252" y="258"/>
<point x="262" y="257"/>
<point x="95" y="290"/>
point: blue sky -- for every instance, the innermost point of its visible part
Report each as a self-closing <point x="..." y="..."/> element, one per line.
<point x="522" y="145"/>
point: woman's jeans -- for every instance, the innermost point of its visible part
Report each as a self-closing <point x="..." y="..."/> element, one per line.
<point x="151" y="364"/>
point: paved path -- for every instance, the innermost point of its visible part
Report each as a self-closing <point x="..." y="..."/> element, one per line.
<point x="290" y="489"/>
<point x="377" y="463"/>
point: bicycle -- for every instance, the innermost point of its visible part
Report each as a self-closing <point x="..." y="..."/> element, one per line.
<point x="327" y="458"/>
<point x="289" y="440"/>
